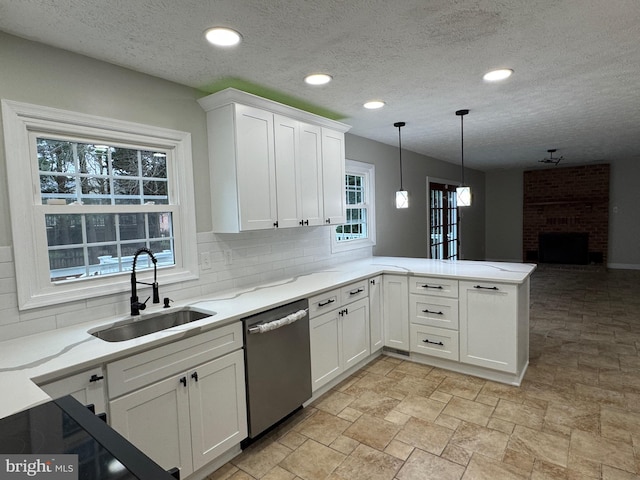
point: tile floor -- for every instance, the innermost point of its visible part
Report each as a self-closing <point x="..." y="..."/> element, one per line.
<point x="576" y="415"/>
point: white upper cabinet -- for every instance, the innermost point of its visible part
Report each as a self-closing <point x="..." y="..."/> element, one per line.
<point x="272" y="165"/>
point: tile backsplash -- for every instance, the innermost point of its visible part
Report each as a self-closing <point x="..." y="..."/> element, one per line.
<point x="235" y="260"/>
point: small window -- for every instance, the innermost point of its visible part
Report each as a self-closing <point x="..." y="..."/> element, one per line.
<point x="86" y="193"/>
<point x="359" y="229"/>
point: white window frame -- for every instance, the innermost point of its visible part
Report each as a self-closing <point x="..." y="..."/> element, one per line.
<point x="368" y="171"/>
<point x="34" y="286"/>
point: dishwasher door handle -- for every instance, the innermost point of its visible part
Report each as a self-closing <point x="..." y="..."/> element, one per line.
<point x="281" y="322"/>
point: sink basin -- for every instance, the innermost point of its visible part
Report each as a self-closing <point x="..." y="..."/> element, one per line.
<point x="149" y="324"/>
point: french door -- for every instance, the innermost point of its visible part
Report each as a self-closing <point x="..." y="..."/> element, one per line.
<point x="444" y="242"/>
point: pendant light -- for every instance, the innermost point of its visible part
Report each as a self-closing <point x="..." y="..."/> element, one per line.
<point x="402" y="196"/>
<point x="463" y="192"/>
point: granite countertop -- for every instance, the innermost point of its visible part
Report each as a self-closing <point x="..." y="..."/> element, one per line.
<point x="26" y="361"/>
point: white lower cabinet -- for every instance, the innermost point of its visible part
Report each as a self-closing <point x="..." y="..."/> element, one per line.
<point x="434" y="341"/>
<point x="87" y="387"/>
<point x="179" y="414"/>
<point x="489" y="323"/>
<point x="339" y="339"/>
<point x="395" y="294"/>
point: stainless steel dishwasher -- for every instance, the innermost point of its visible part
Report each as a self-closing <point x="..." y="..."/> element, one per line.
<point x="277" y="364"/>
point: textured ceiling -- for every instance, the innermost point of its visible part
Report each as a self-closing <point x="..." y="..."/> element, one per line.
<point x="576" y="85"/>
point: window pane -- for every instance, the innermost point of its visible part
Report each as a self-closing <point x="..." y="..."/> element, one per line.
<point x="132" y="226"/>
<point x="55" y="156"/>
<point x="66" y="263"/>
<point x="126" y="187"/>
<point x="95" y="186"/>
<point x="154" y="187"/>
<point x="56" y="184"/>
<point x="92" y="159"/>
<point x="63" y="229"/>
<point x="159" y="225"/>
<point x="154" y="164"/>
<point x="124" y="162"/>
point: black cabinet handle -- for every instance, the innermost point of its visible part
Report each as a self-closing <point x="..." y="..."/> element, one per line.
<point x="194" y="375"/>
<point x="355" y="292"/>
<point x="96" y="378"/>
<point x="183" y="381"/>
<point x="328" y="220"/>
<point x="485" y="288"/>
<point x="324" y="304"/>
<point x="439" y="287"/>
<point x="373" y="281"/>
<point x="429" y="311"/>
<point x="426" y="340"/>
<point x="275" y="224"/>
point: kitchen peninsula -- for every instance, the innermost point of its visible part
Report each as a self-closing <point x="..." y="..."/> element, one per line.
<point x="467" y="316"/>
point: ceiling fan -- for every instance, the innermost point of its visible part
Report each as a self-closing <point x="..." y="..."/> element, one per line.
<point x="550" y="158"/>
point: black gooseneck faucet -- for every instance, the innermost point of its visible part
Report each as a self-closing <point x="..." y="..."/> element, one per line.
<point x="136" y="306"/>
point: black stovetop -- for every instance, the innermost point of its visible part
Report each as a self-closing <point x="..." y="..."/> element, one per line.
<point x="64" y="426"/>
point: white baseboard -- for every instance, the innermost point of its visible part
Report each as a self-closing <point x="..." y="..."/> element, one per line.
<point x="623" y="266"/>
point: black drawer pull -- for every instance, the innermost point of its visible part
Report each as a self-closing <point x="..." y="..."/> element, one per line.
<point x="355" y="292"/>
<point x="194" y="375"/>
<point x="96" y="378"/>
<point x="324" y="304"/>
<point x="183" y="381"/>
<point x="426" y="340"/>
<point x="429" y="311"/>
<point x="485" y="288"/>
<point x="439" y="287"/>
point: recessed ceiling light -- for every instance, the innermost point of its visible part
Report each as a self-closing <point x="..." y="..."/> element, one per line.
<point x="317" y="79"/>
<point x="373" y="104"/>
<point x="497" y="75"/>
<point x="222" y="37"/>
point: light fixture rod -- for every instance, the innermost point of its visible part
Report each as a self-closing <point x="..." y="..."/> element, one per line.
<point x="461" y="114"/>
<point x="399" y="125"/>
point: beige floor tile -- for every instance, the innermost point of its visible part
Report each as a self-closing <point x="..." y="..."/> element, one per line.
<point x="598" y="449"/>
<point x="380" y="367"/>
<point x="425" y="435"/>
<point x="334" y="402"/>
<point x="603" y="396"/>
<point x="323" y="427"/>
<point x="423" y="465"/>
<point x="397" y="417"/>
<point x="410" y="385"/>
<point x="610" y="473"/>
<point x="399" y="449"/>
<point x="344" y="444"/>
<point x="365" y="463"/>
<point x="501" y="425"/>
<point x="521" y="461"/>
<point x="413" y="369"/>
<point x="258" y="459"/>
<point x="420" y="407"/>
<point x="468" y="411"/>
<point x="279" y="473"/>
<point x="224" y="472"/>
<point x="312" y="461"/>
<point x="549" y="471"/>
<point x="474" y="438"/>
<point x="618" y="424"/>
<point x="545" y="446"/>
<point x="581" y="415"/>
<point x="372" y="431"/>
<point x="292" y="439"/>
<point x="456" y="454"/>
<point x="350" y="414"/>
<point x="484" y="468"/>
<point x="374" y="403"/>
<point x="374" y="383"/>
<point x="466" y="387"/>
<point x="519" y="414"/>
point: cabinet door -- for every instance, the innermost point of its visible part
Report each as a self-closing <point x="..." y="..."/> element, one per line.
<point x="217" y="406"/>
<point x="286" y="135"/>
<point x="488" y="325"/>
<point x="310" y="168"/>
<point x="355" y="333"/>
<point x="325" y="339"/>
<point x="255" y="167"/>
<point x="395" y="294"/>
<point x="86" y="387"/>
<point x="333" y="172"/>
<point x="156" y="420"/>
<point x="375" y="314"/>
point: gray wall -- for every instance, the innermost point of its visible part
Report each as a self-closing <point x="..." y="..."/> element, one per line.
<point x="504" y="214"/>
<point x="404" y="233"/>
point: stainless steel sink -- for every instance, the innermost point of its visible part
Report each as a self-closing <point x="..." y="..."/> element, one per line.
<point x="149" y="324"/>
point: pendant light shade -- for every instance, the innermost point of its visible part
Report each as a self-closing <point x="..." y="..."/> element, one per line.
<point x="402" y="196"/>
<point x="463" y="192"/>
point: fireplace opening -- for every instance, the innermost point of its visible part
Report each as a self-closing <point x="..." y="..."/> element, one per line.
<point x="568" y="248"/>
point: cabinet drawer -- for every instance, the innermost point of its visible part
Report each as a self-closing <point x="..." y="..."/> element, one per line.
<point x="437" y="342"/>
<point x="324" y="302"/>
<point x="441" y="287"/>
<point x="139" y="370"/>
<point x="354" y="291"/>
<point x="434" y="311"/>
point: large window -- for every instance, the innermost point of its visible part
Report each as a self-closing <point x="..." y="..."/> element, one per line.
<point x="359" y="229"/>
<point x="86" y="194"/>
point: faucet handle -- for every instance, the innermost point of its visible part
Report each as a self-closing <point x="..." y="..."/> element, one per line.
<point x="143" y="305"/>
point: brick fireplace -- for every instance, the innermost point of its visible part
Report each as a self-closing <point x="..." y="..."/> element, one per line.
<point x="566" y="214"/>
